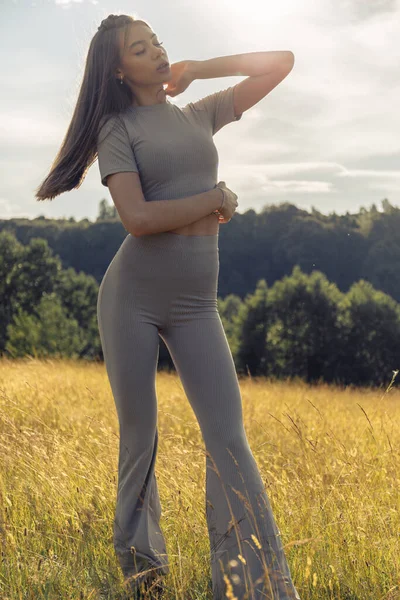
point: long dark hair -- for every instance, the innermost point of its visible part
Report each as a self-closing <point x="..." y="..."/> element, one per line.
<point x="101" y="95"/>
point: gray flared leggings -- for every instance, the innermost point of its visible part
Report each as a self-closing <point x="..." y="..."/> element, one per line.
<point x="164" y="285"/>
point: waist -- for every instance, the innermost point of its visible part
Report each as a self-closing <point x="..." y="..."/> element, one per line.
<point x="173" y="240"/>
<point x="208" y="225"/>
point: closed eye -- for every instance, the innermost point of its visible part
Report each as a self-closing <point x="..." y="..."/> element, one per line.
<point x="143" y="51"/>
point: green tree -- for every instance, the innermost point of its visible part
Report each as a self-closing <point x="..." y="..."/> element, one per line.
<point x="303" y="339"/>
<point x="49" y="332"/>
<point x="251" y="324"/>
<point x="381" y="265"/>
<point x="34" y="274"/>
<point x="11" y="252"/>
<point x="79" y="293"/>
<point x="228" y="308"/>
<point x="26" y="272"/>
<point x="370" y="330"/>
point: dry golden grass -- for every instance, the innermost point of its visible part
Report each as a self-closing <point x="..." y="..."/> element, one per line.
<point x="329" y="459"/>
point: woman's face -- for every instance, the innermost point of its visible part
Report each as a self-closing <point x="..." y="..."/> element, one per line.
<point x="141" y="56"/>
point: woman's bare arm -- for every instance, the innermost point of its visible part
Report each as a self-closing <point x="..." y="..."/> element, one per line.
<point x="163" y="215"/>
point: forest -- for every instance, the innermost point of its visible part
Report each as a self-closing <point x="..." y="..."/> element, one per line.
<point x="300" y="294"/>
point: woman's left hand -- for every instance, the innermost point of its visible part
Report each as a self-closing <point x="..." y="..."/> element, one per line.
<point x="181" y="78"/>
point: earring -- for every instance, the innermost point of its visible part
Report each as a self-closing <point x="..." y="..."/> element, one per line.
<point x="121" y="81"/>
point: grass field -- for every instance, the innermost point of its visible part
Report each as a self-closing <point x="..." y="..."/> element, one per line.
<point x="329" y="458"/>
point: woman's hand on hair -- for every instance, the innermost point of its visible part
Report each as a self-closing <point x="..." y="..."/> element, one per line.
<point x="181" y="77"/>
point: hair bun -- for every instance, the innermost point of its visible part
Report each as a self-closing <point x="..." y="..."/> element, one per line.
<point x="108" y="23"/>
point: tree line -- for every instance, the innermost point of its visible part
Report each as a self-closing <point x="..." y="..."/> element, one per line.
<point x="300" y="295"/>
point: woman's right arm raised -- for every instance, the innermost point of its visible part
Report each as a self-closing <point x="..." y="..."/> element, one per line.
<point x="140" y="217"/>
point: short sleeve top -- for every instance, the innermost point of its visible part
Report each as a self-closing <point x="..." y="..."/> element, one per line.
<point x="171" y="147"/>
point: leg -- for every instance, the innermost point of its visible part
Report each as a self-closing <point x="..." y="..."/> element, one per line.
<point x="237" y="505"/>
<point x="130" y="346"/>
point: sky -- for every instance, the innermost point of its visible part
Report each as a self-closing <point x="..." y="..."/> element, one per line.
<point x="328" y="136"/>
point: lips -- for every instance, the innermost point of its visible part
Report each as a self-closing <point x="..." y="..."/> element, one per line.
<point x="164" y="64"/>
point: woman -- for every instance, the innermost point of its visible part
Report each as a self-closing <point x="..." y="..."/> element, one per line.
<point x="160" y="164"/>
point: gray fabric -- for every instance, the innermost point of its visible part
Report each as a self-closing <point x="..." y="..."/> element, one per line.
<point x="170" y="147"/>
<point x="164" y="286"/>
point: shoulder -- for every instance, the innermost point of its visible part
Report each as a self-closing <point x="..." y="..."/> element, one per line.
<point x="110" y="123"/>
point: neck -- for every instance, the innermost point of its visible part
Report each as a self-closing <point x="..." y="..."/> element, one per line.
<point x="160" y="98"/>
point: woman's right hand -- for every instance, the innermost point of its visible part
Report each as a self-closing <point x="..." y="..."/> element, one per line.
<point x="230" y="204"/>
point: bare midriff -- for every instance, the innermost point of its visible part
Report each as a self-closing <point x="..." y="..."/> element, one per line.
<point x="208" y="225"/>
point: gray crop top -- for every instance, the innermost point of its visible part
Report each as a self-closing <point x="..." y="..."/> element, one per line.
<point x="171" y="148"/>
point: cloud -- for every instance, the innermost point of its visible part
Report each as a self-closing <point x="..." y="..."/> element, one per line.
<point x="327" y="135"/>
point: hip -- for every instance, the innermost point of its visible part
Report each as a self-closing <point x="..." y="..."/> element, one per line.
<point x="161" y="276"/>
<point x="166" y="260"/>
